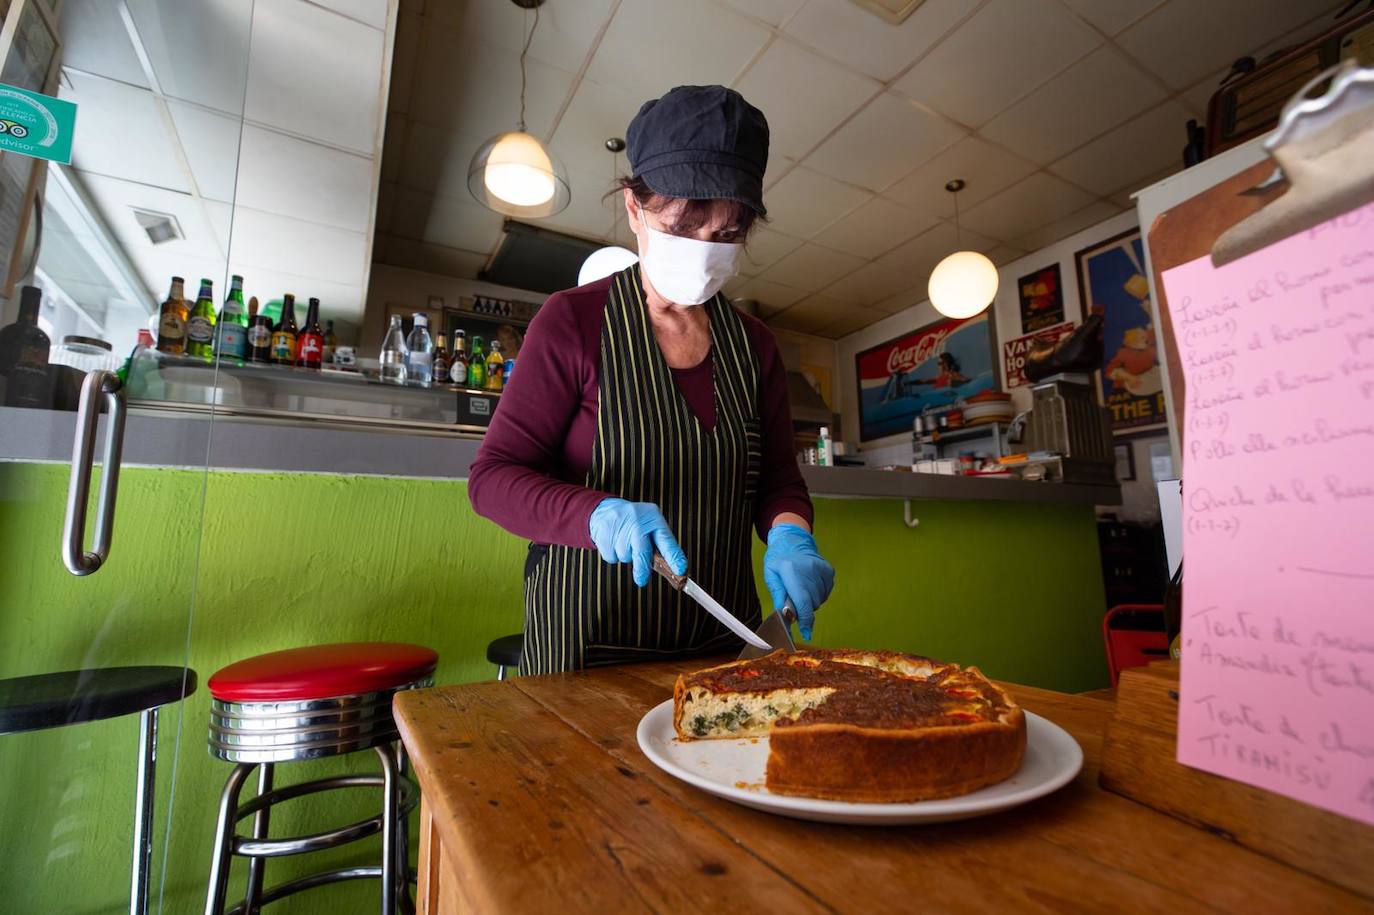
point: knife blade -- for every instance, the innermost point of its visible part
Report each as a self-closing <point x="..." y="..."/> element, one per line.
<point x="709" y="604"/>
<point x="776" y="631"/>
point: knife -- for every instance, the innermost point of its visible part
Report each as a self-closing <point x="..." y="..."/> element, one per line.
<point x="693" y="590"/>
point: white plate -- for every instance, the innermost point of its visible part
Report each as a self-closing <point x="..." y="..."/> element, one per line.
<point x="1053" y="758"/>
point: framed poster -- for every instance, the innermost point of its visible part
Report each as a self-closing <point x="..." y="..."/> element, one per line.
<point x="934" y="366"/>
<point x="1111" y="279"/>
<point x="1014" y="352"/>
<point x="1041" y="295"/>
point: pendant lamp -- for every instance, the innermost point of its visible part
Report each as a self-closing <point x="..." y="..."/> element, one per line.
<point x="613" y="258"/>
<point x="513" y="173"/>
<point x="965" y="282"/>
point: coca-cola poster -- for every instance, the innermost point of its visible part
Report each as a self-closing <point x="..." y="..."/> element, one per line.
<point x="935" y="366"/>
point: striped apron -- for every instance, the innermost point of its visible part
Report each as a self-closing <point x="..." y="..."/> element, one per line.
<point x="583" y="612"/>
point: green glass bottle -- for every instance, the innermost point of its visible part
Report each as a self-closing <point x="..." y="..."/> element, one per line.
<point x="231" y="333"/>
<point x="200" y="327"/>
<point x="477" y="365"/>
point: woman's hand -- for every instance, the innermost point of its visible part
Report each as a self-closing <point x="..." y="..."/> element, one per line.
<point x="630" y="531"/>
<point x="792" y="568"/>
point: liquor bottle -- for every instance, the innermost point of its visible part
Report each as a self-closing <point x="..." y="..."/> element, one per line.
<point x="259" y="334"/>
<point x="330" y="343"/>
<point x="441" y="360"/>
<point x="477" y="365"/>
<point x="231" y="331"/>
<point x="200" y="328"/>
<point x="171" y="323"/>
<point x="458" y="364"/>
<point x="24" y="355"/>
<point x="392" y="362"/>
<point x="310" y="341"/>
<point x="496" y="367"/>
<point x="284" y="334"/>
<point x="420" y="352"/>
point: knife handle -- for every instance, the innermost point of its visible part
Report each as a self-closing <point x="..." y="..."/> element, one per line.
<point x="789" y="612"/>
<point x="661" y="567"/>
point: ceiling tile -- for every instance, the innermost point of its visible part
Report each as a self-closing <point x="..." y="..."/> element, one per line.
<point x="442" y="220"/>
<point x="797" y="121"/>
<point x="861" y="40"/>
<point x="589" y="213"/>
<point x="418" y="255"/>
<point x="110" y="109"/>
<point x="1183" y="40"/>
<point x="1122" y="197"/>
<point x="1024" y="206"/>
<point x="280" y="174"/>
<point x="436" y="159"/>
<point x="405" y="59"/>
<point x="1061" y="229"/>
<point x="316" y="74"/>
<point x="1005" y="254"/>
<point x="812" y="267"/>
<point x="904" y="300"/>
<point x="564" y="36"/>
<point x="394" y="145"/>
<point x="805" y="202"/>
<point x="772" y="297"/>
<point x="114" y="199"/>
<point x="771" y="12"/>
<point x="198" y="51"/>
<point x="595" y="114"/>
<point x="852" y="318"/>
<point x="875" y="228"/>
<point x="1197" y="96"/>
<point x="273" y="242"/>
<point x="387" y="195"/>
<point x="985" y="168"/>
<point x="211" y="143"/>
<point x="94" y="40"/>
<point x="766" y="247"/>
<point x="811" y="314"/>
<point x="883" y="142"/>
<point x="872" y="283"/>
<point x="1111" y="16"/>
<point x="1005" y="51"/>
<point x="920" y="255"/>
<point x="707" y="44"/>
<point x="1140" y="147"/>
<point x="463" y="82"/>
<point x="369" y="12"/>
<point x="1089" y="98"/>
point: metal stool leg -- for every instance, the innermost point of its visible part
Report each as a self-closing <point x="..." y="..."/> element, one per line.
<point x="390" y="809"/>
<point x="403" y="838"/>
<point x="257" y="867"/>
<point x="500" y="671"/>
<point x="224" y="838"/>
<point x="145" y="792"/>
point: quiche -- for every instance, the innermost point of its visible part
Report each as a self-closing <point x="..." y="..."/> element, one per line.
<point x="853" y="725"/>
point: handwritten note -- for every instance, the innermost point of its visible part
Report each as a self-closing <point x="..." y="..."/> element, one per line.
<point x="1278" y="495"/>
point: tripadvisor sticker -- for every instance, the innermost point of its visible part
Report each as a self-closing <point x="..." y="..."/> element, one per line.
<point x="36" y="125"/>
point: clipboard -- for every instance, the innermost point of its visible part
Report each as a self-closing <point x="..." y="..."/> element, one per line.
<point x="1320" y="165"/>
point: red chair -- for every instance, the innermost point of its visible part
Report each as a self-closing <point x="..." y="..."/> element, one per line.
<point x="1134" y="636"/>
<point x="308" y="703"/>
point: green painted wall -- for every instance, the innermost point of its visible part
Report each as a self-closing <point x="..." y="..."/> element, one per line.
<point x="292" y="560"/>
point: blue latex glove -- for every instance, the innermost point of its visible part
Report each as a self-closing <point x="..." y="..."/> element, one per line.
<point x="630" y="532"/>
<point x="792" y="568"/>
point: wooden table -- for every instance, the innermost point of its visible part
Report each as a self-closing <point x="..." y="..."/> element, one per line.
<point x="537" y="799"/>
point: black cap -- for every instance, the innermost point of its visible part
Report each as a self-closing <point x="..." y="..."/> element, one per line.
<point x="701" y="143"/>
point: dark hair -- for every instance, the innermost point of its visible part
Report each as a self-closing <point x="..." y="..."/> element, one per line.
<point x="952" y="364"/>
<point x="695" y="213"/>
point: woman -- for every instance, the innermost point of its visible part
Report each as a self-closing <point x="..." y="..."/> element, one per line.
<point x="648" y="415"/>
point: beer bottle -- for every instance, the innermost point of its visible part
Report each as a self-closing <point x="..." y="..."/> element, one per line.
<point x="171" y="322"/>
<point x="496" y="367"/>
<point x="310" y="343"/>
<point x="458" y="364"/>
<point x="284" y="334"/>
<point x="441" y="360"/>
<point x="331" y="342"/>
<point x="477" y="366"/>
<point x="24" y="355"/>
<point x="200" y="328"/>
<point x="259" y="334"/>
<point x="231" y="331"/>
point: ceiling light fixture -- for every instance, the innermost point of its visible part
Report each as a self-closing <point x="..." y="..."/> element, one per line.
<point x="965" y="282"/>
<point x="513" y="173"/>
<point x="613" y="258"/>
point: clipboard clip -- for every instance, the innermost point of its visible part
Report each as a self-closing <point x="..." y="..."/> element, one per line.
<point x="1323" y="149"/>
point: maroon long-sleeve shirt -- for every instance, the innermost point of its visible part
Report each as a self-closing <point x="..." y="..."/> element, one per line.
<point x="530" y="471"/>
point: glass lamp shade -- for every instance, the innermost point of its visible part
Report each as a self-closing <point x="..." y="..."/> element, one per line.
<point x="963" y="284"/>
<point x="603" y="262"/>
<point x="513" y="173"/>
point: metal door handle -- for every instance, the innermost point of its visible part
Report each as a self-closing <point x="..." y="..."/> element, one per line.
<point x="99" y="386"/>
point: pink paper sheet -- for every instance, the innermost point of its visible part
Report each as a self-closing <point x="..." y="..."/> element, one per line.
<point x="1278" y="498"/>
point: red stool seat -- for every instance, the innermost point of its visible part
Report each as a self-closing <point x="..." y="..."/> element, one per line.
<point x="323" y="671"/>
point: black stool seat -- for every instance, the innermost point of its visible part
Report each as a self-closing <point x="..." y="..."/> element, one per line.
<point x="73" y="696"/>
<point x="505" y="651"/>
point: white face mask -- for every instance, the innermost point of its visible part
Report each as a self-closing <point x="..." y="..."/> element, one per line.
<point x="686" y="271"/>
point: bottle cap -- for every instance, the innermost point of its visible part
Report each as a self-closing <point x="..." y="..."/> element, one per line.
<point x="825" y="431"/>
<point x="421" y="318"/>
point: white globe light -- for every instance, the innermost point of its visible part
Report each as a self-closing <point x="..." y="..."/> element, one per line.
<point x="603" y="262"/>
<point x="963" y="284"/>
<point x="519" y="172"/>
